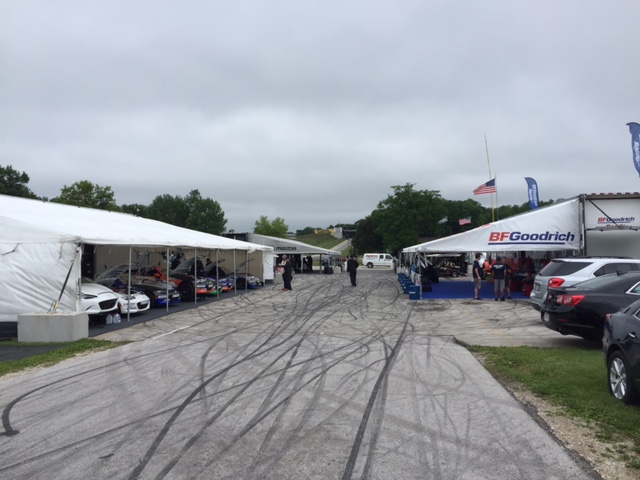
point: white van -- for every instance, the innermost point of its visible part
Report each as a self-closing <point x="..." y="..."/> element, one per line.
<point x="371" y="260"/>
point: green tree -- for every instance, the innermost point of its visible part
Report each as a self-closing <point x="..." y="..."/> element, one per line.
<point x="205" y="214"/>
<point x="407" y="215"/>
<point x="367" y="238"/>
<point x="87" y="194"/>
<point x="135" y="209"/>
<point x="193" y="212"/>
<point x="456" y="209"/>
<point x="14" y="183"/>
<point x="169" y="209"/>
<point x="274" y="228"/>
<point x="505" y="211"/>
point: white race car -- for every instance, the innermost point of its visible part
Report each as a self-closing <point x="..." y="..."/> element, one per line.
<point x="97" y="299"/>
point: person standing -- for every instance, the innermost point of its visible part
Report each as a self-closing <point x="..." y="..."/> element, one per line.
<point x="352" y="268"/>
<point x="477" y="276"/>
<point x="499" y="272"/>
<point x="287" y="272"/>
<point x="507" y="279"/>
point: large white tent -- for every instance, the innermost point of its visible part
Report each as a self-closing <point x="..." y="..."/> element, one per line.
<point x="292" y="247"/>
<point x="41" y="246"/>
<point x="553" y="228"/>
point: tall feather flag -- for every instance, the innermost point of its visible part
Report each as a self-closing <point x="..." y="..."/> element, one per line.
<point x="465" y="221"/>
<point x="634" y="128"/>
<point x="489" y="187"/>
<point x="532" y="185"/>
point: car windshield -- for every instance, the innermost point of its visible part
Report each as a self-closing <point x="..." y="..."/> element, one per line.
<point x="116" y="271"/>
<point x="210" y="271"/>
<point x="186" y="268"/>
<point x="557" y="268"/>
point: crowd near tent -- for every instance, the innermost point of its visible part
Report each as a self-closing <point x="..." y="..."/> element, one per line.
<point x="41" y="247"/>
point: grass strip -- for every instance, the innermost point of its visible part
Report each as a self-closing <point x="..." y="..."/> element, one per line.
<point x="573" y="379"/>
<point x="57" y="353"/>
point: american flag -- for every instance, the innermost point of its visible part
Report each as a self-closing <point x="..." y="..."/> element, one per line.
<point x="465" y="221"/>
<point x="489" y="187"/>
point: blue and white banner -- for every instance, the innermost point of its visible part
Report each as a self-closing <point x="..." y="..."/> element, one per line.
<point x="634" y="128"/>
<point x="533" y="193"/>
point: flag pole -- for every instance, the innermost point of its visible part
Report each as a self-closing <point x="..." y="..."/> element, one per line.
<point x="486" y="147"/>
<point x="496" y="185"/>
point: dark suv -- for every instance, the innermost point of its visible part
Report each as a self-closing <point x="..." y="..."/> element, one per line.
<point x="569" y="271"/>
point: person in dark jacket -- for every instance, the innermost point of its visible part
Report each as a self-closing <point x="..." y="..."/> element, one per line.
<point x="287" y="272"/>
<point x="499" y="272"/>
<point x="352" y="268"/>
<point x="477" y="277"/>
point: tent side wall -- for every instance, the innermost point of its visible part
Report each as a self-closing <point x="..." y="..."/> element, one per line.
<point x="32" y="276"/>
<point x="612" y="225"/>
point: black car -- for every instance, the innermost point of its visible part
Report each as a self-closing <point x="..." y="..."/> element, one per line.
<point x="580" y="309"/>
<point x="621" y="350"/>
<point x="159" y="293"/>
<point x="241" y="281"/>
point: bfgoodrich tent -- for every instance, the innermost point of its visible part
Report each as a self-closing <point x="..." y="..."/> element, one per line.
<point x="41" y="245"/>
<point x="553" y="228"/>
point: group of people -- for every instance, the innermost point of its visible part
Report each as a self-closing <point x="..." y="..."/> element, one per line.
<point x="286" y="266"/>
<point x="500" y="273"/>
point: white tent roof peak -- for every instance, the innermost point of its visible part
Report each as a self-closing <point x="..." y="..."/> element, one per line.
<point x="288" y="246"/>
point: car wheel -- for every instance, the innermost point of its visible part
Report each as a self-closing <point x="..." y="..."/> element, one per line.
<point x="620" y="383"/>
<point x="454" y="274"/>
<point x="240" y="283"/>
<point x="152" y="301"/>
<point x="369" y="265"/>
<point x="187" y="291"/>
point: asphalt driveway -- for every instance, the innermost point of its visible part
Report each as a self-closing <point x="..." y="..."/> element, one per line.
<point x="328" y="381"/>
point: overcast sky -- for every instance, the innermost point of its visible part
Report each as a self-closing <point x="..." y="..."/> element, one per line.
<point x="311" y="110"/>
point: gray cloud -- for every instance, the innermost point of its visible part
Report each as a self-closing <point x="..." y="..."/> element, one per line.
<point x="311" y="111"/>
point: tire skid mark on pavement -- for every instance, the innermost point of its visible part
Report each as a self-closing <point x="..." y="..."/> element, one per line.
<point x="329" y="346"/>
<point x="258" y="350"/>
<point x="308" y="313"/>
<point x="383" y="377"/>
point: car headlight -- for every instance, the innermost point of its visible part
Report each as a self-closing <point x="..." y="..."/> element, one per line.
<point x="88" y="296"/>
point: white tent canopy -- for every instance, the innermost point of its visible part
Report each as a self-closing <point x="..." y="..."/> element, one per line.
<point x="552" y="228"/>
<point x="291" y="247"/>
<point x="41" y="243"/>
<point x="99" y="227"/>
